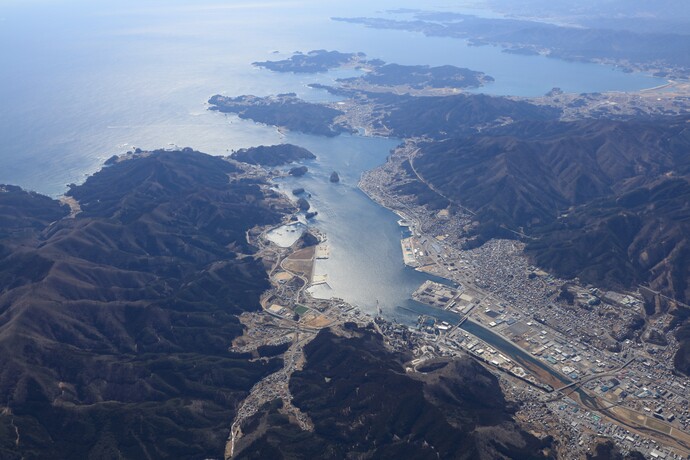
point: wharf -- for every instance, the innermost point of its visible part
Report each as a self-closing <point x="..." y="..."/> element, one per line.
<point x="323" y="251"/>
<point x="407" y="246"/>
<point x="319" y="279"/>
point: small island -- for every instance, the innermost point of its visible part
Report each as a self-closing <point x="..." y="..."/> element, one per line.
<point x="377" y="74"/>
<point x="273" y="155"/>
<point x="298" y="171"/>
<point x="312" y="62"/>
<point x="521" y="50"/>
<point x="297" y="191"/>
<point x="303" y="204"/>
<point x="335" y="178"/>
<point x="419" y="77"/>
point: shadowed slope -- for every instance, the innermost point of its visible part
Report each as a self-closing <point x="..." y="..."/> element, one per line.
<point x="115" y="344"/>
<point x="607" y="201"/>
<point x="364" y="404"/>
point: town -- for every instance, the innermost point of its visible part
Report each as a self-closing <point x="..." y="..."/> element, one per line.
<point x="595" y="364"/>
<point x="582" y="363"/>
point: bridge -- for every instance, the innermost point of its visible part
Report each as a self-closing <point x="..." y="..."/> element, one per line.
<point x="594" y="377"/>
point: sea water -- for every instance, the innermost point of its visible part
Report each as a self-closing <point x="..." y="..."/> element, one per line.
<point x="81" y="81"/>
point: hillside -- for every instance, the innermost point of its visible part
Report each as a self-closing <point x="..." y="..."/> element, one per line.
<point x="451" y="116"/>
<point x="599" y="196"/>
<point x="115" y="324"/>
<point x="528" y="174"/>
<point x="363" y="404"/>
<point x="605" y="201"/>
<point x="639" y="237"/>
<point x="23" y="213"/>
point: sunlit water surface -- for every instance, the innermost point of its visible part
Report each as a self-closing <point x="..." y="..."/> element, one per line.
<point x="81" y="81"/>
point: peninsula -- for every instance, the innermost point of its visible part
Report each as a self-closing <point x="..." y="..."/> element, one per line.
<point x="284" y="110"/>
<point x="273" y="155"/>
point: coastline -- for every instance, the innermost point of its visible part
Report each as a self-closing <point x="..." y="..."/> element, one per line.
<point x="546" y="374"/>
<point x="669" y="83"/>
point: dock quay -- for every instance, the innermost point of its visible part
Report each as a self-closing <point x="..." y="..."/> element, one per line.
<point x="319" y="279"/>
<point x="323" y="251"/>
<point x="408" y="250"/>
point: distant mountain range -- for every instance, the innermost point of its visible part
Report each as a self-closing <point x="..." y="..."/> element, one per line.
<point x="630" y="48"/>
<point x="639" y="15"/>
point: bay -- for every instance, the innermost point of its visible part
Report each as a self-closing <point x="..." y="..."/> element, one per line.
<point x="81" y="81"/>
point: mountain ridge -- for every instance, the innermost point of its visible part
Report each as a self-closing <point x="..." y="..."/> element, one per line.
<point x="118" y="345"/>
